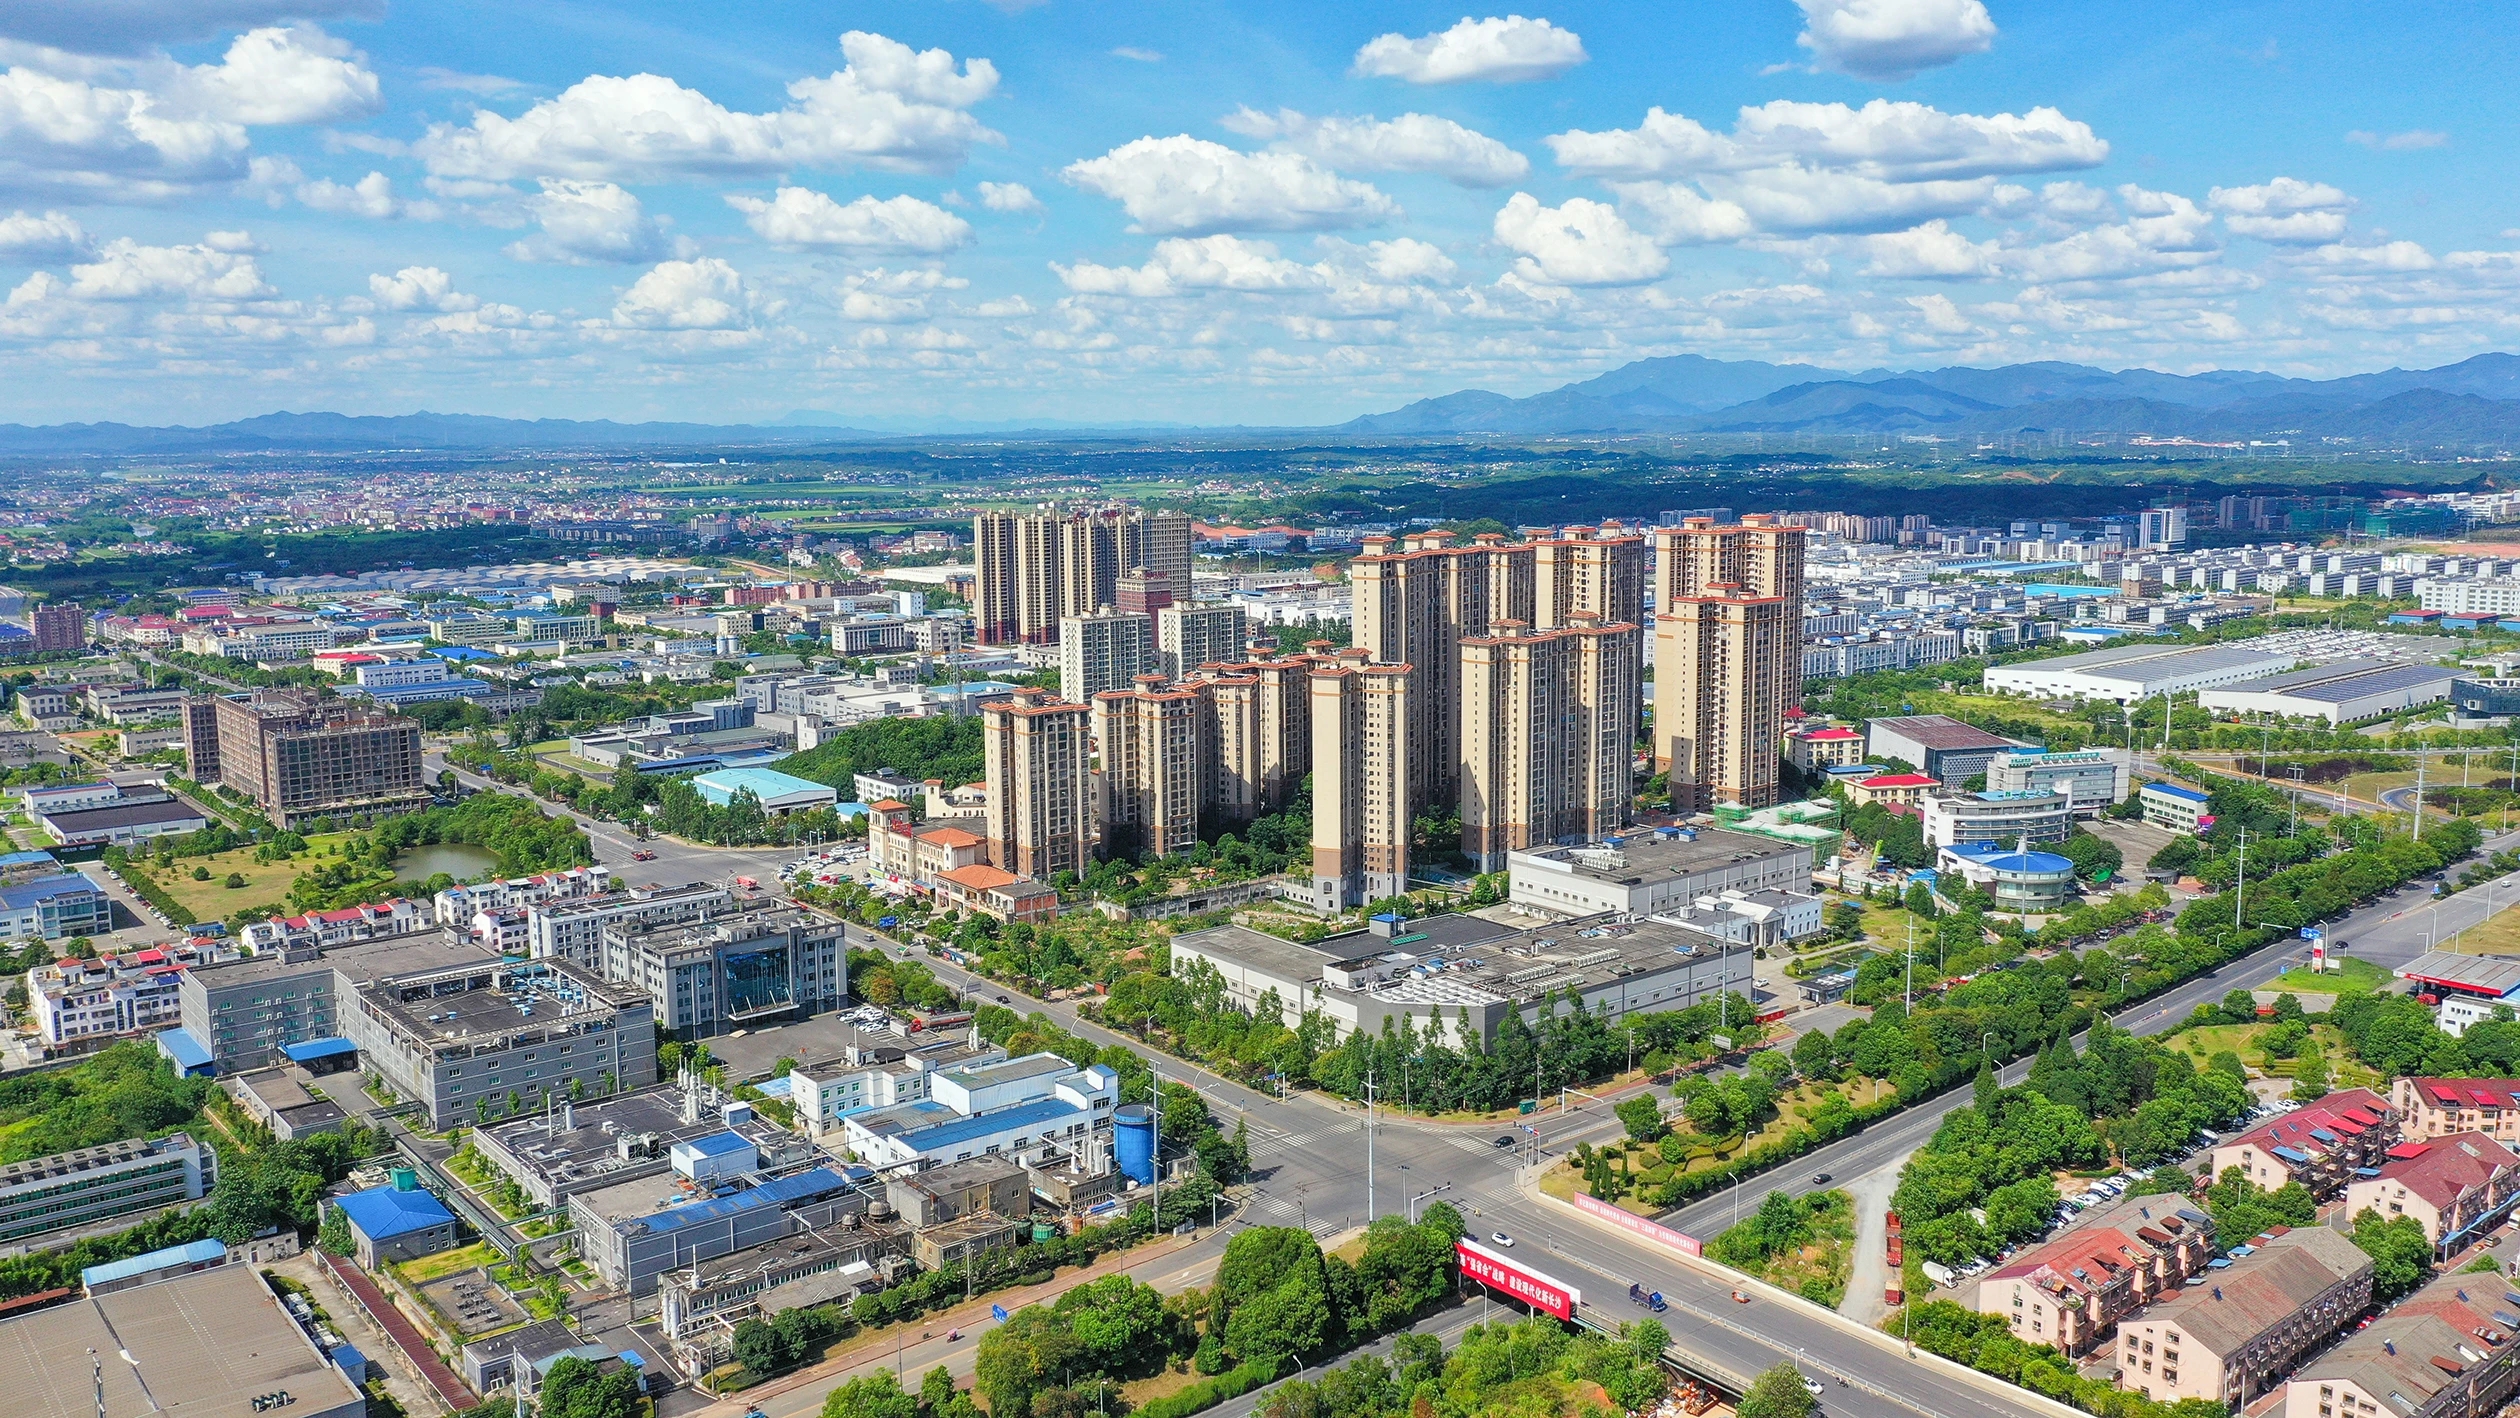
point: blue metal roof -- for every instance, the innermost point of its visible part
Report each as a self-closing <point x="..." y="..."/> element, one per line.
<point x="200" y="1252"/>
<point x="2173" y="790"/>
<point x="383" y="1212"/>
<point x="718" y="1144"/>
<point x="42" y="889"/>
<point x="804" y="1186"/>
<point x="26" y="859"/>
<point x="2291" y="1154"/>
<point x="330" y="1047"/>
<point x="964" y="1129"/>
<point x="187" y="1051"/>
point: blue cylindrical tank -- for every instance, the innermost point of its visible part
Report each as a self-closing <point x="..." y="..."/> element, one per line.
<point x="1133" y="1138"/>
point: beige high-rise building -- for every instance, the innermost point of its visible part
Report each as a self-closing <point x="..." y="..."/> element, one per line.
<point x="1598" y="571"/>
<point x="1152" y="762"/>
<point x="1362" y="795"/>
<point x="1263" y="744"/>
<point x="1015" y="579"/>
<point x="1229" y="746"/>
<point x="1412" y="602"/>
<point x="1032" y="569"/>
<point x="1727" y="656"/>
<point x="1188" y="635"/>
<point x="1104" y="651"/>
<point x="1039" y="775"/>
<point x="1547" y="725"/>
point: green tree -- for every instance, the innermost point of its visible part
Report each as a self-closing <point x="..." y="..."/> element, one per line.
<point x="2310" y="1075"/>
<point x="1641" y="1117"/>
<point x="2401" y="1254"/>
<point x="575" y="1388"/>
<point x="875" y="1395"/>
<point x="1778" y="1393"/>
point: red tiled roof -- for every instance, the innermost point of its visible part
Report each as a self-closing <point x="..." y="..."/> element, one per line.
<point x="1832" y="734"/>
<point x="1900" y="780"/>
<point x="2440" y="1172"/>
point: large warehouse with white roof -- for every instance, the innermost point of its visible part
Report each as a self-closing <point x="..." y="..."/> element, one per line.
<point x="2126" y="674"/>
<point x="2340" y="693"/>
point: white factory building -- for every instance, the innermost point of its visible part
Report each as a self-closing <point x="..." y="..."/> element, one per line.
<point x="1018" y="1110"/>
<point x="2340" y="693"/>
<point x="2128" y="674"/>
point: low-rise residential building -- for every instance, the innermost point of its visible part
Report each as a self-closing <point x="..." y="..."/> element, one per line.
<point x="2438" y="1107"/>
<point x="2227" y="1340"/>
<point x="397" y="1221"/>
<point x="1001" y="894"/>
<point x="2072" y="1291"/>
<point x="372" y="920"/>
<point x="2443" y="1352"/>
<point x="123" y="1181"/>
<point x="77" y="1002"/>
<point x="456" y="905"/>
<point x="2178" y="809"/>
<point x="1815" y="748"/>
<point x="2321" y="1145"/>
<point x="905" y="853"/>
<point x="1893" y="789"/>
<point x="2455" y="1186"/>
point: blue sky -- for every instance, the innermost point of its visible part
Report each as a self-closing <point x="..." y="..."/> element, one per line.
<point x="1209" y="213"/>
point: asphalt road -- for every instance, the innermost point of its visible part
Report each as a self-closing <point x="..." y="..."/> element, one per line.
<point x="2389" y="932"/>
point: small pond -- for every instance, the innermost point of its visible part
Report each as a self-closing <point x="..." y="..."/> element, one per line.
<point x="454" y="859"/>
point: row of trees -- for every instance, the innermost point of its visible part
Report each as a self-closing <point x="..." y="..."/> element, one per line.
<point x="1444" y="1068"/>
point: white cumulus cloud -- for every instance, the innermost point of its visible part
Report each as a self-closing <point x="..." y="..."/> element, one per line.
<point x="1184" y="264"/>
<point x="1893" y="140"/>
<point x="2286" y="210"/>
<point x="801" y="218"/>
<point x="1413" y="142"/>
<point x="588" y="222"/>
<point x="1890" y="40"/>
<point x="1008" y="197"/>
<point x="1188" y="185"/>
<point x="220" y="268"/>
<point x="419" y="288"/>
<point x="891" y="108"/>
<point x="706" y="294"/>
<point x="273" y="76"/>
<point x="1577" y="243"/>
<point x="50" y="236"/>
<point x="1512" y="50"/>
<point x="1932" y="250"/>
<point x="370" y="196"/>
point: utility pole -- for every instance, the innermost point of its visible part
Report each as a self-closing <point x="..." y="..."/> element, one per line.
<point x="1369" y="1144"/>
<point x="2240" y="888"/>
<point x="2419" y="797"/>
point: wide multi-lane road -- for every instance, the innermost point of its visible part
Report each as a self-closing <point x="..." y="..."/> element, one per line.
<point x="2389" y="932"/>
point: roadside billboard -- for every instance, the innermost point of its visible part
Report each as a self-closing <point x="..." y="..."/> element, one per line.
<point x="1492" y="1269"/>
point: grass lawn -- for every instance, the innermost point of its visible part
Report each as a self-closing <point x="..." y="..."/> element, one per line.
<point x="2242" y="1039"/>
<point x="446" y="1263"/>
<point x="264" y="881"/>
<point x="2354" y="977"/>
<point x="1139" y="1392"/>
<point x="2498" y="934"/>
<point x="1818" y="1271"/>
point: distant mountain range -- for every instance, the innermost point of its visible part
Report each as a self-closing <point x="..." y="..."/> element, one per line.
<point x="2474" y="401"/>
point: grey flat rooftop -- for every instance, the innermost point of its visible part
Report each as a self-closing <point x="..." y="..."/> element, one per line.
<point x="124" y="815"/>
<point x="202" y="1345"/>
<point x="1013" y="1071"/>
<point x="1649" y="857"/>
<point x="362" y="960"/>
<point x="2385" y="679"/>
<point x="1258" y="950"/>
<point x="1939" y="731"/>
<point x="2315" y="674"/>
<point x="490" y="1005"/>
<point x="2166" y="659"/>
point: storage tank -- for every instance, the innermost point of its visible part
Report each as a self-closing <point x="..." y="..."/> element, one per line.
<point x="406" y="1180"/>
<point x="1133" y="1131"/>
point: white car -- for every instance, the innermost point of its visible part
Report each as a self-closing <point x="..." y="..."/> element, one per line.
<point x="1811" y="1385"/>
<point x="1501" y="1239"/>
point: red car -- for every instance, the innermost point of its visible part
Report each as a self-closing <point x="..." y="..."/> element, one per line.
<point x="643" y="856"/>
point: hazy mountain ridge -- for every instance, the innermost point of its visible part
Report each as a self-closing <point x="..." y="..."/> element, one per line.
<point x="2475" y="400"/>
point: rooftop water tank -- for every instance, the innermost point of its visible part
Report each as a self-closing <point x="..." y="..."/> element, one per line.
<point x="1133" y="1132"/>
